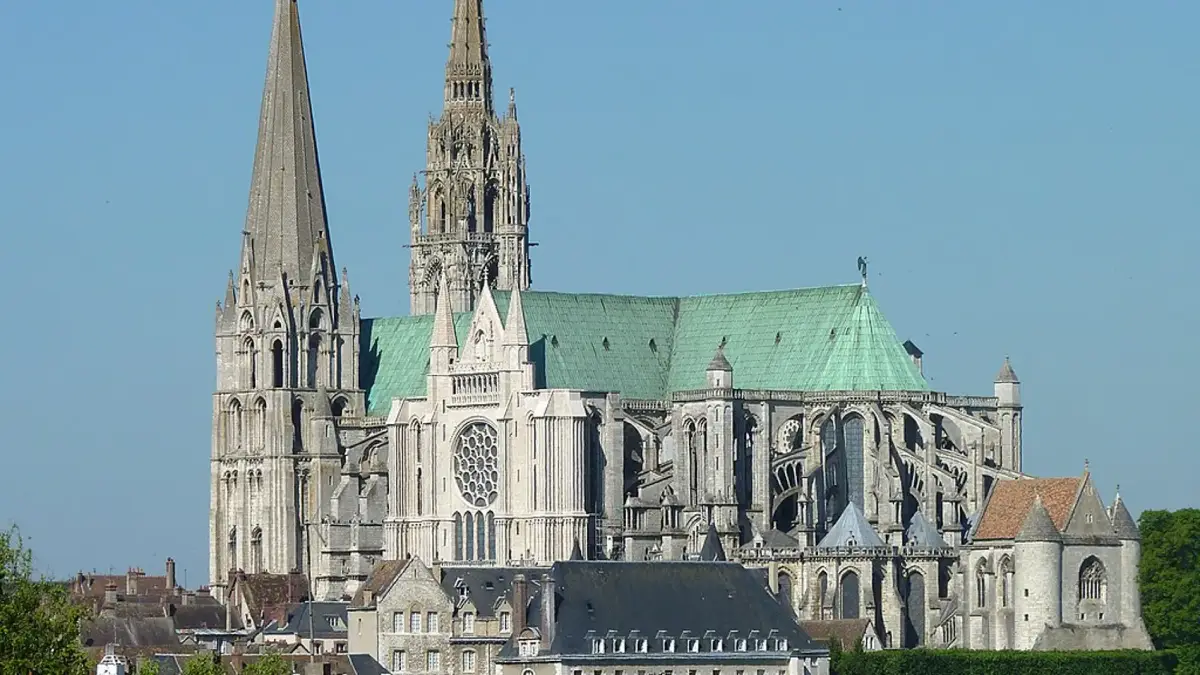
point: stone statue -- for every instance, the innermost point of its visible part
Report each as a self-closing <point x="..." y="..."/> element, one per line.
<point x="414" y="206"/>
<point x="862" y="267"/>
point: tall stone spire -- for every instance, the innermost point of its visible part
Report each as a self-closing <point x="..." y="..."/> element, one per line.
<point x="286" y="220"/>
<point x="468" y="70"/>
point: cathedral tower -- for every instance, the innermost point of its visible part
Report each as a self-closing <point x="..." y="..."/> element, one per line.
<point x="286" y="337"/>
<point x="470" y="216"/>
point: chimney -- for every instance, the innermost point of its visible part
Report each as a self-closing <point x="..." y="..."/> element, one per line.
<point x="520" y="601"/>
<point x="549" y="621"/>
<point x="110" y="594"/>
<point x="235" y="659"/>
<point x="170" y="574"/>
<point x="188" y="598"/>
<point x="131" y="578"/>
<point x="436" y="570"/>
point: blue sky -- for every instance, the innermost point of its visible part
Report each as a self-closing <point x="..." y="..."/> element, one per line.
<point x="1022" y="176"/>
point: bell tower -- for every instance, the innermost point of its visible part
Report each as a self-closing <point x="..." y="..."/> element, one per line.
<point x="469" y="209"/>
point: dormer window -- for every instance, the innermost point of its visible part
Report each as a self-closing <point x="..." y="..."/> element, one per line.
<point x="718" y="645"/>
<point x="781" y="645"/>
<point x="762" y="645"/>
<point x="598" y="646"/>
<point x="642" y="645"/>
<point x="669" y="645"/>
<point x="469" y="623"/>
<point x="693" y="646"/>
<point x="619" y="646"/>
<point x="505" y="622"/>
<point x="527" y="647"/>
<point x="740" y="644"/>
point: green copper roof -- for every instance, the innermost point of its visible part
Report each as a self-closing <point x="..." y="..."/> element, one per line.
<point x="813" y="339"/>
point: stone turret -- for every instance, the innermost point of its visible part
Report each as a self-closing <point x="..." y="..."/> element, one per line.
<point x="1131" y="555"/>
<point x="719" y="373"/>
<point x="1008" y="391"/>
<point x="1038" y="560"/>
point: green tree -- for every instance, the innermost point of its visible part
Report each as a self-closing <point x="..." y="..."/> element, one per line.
<point x="270" y="664"/>
<point x="39" y="626"/>
<point x="1170" y="576"/>
<point x="202" y="664"/>
<point x="148" y="667"/>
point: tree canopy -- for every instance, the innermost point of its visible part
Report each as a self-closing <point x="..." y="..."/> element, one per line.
<point x="1170" y="576"/>
<point x="271" y="664"/>
<point x="39" y="625"/>
<point x="203" y="663"/>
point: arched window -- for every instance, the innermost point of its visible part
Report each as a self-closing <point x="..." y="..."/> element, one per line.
<point x="491" y="536"/>
<point x="247" y="321"/>
<point x="785" y="590"/>
<point x="469" y="536"/>
<point x="251" y="366"/>
<point x="850" y="594"/>
<point x="1006" y="581"/>
<point x="823" y="591"/>
<point x="981" y="585"/>
<point x="314" y="360"/>
<point x="317" y="320"/>
<point x="458" y="536"/>
<point x="236" y="429"/>
<point x="1092" y="580"/>
<point x="233" y="547"/>
<point x="341" y="408"/>
<point x="852" y="434"/>
<point x="277" y="364"/>
<point x="914" y="610"/>
<point x="256" y="552"/>
<point x="689" y="439"/>
<point x="260" y="422"/>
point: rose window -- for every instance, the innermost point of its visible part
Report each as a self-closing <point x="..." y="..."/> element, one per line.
<point x="476" y="468"/>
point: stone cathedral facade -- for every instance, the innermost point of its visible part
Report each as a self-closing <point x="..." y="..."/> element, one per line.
<point x="500" y="425"/>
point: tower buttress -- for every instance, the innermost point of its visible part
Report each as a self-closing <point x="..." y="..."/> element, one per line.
<point x="287" y="338"/>
<point x="469" y="220"/>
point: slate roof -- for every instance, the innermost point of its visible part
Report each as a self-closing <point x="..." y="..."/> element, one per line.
<point x="1123" y="522"/>
<point x="662" y="599"/>
<point x="923" y="534"/>
<point x="321" y="620"/>
<point x="485" y="585"/>
<point x="1010" y="501"/>
<point x="848" y="633"/>
<point x="712" y="550"/>
<point x="129" y="632"/>
<point x="852" y="530"/>
<point x="810" y="339"/>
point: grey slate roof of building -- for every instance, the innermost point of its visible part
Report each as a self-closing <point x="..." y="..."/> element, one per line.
<point x="852" y="530"/>
<point x="712" y="550"/>
<point x="656" y="600"/>
<point x="485" y="585"/>
<point x="328" y="621"/>
<point x="1123" y="523"/>
<point x="923" y="534"/>
<point x="129" y="631"/>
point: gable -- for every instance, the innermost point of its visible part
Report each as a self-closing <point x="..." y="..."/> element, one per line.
<point x="831" y="338"/>
<point x="1088" y="517"/>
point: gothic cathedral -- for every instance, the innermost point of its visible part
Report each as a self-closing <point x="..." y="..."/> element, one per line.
<point x="500" y="425"/>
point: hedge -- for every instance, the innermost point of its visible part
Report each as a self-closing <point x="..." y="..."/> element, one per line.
<point x="962" y="662"/>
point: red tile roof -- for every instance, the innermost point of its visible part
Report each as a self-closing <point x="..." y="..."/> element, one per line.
<point x="1011" y="500"/>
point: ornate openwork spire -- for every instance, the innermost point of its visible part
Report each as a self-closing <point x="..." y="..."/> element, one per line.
<point x="468" y="71"/>
<point x="286" y="220"/>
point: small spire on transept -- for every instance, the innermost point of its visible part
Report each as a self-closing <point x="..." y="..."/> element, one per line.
<point x="443" y="317"/>
<point x="576" y="550"/>
<point x="515" y="332"/>
<point x="712" y="550"/>
<point x="512" y="103"/>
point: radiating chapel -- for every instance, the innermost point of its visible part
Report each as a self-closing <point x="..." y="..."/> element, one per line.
<point x="503" y="425"/>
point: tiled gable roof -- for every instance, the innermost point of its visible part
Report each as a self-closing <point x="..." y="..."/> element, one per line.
<point x="848" y="633"/>
<point x="1010" y="501"/>
<point x="381" y="578"/>
<point x="831" y="338"/>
